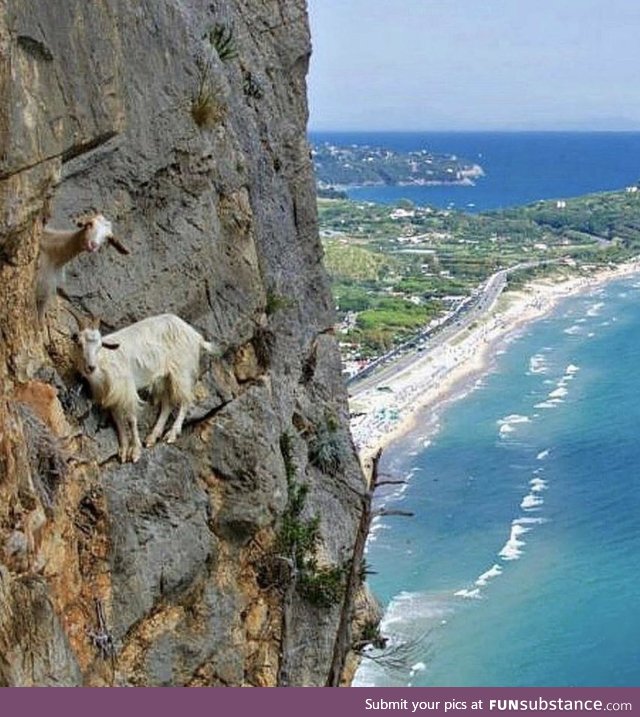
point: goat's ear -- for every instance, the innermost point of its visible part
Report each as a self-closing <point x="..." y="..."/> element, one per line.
<point x="110" y="346"/>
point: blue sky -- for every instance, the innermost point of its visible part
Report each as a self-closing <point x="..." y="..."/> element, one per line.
<point x="475" y="64"/>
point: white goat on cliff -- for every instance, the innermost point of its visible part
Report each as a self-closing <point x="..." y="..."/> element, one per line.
<point x="161" y="354"/>
<point x="58" y="248"/>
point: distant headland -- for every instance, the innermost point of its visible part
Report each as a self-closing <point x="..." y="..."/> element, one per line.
<point x="354" y="165"/>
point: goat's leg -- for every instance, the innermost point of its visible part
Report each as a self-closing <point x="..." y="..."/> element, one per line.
<point x="136" y="448"/>
<point x="176" y="429"/>
<point x="123" y="438"/>
<point x="158" y="428"/>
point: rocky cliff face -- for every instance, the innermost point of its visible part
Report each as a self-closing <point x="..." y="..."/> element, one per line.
<point x="175" y="570"/>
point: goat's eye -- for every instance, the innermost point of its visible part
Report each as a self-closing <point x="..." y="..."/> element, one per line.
<point x="75" y="338"/>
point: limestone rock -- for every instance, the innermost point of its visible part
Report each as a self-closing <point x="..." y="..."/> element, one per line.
<point x="96" y="113"/>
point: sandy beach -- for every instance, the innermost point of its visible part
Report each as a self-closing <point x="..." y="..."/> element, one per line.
<point x="382" y="416"/>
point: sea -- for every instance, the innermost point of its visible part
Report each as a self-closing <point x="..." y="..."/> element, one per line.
<point x="519" y="564"/>
<point x="520" y="167"/>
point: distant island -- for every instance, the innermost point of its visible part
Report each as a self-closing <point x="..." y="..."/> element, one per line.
<point x="362" y="165"/>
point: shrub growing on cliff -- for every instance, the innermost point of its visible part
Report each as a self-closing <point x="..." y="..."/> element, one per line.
<point x="221" y="37"/>
<point x="327" y="450"/>
<point x="298" y="537"/>
<point x="206" y="110"/>
<point x="296" y="546"/>
<point x="322" y="586"/>
<point x="370" y="635"/>
<point x="207" y="106"/>
<point x="277" y="302"/>
<point x="286" y="449"/>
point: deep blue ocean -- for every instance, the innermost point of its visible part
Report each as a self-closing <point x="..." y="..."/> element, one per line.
<point x="521" y="565"/>
<point x="521" y="167"/>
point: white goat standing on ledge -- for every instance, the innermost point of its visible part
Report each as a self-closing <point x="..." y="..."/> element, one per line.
<point x="161" y="354"/>
<point x="58" y="248"/>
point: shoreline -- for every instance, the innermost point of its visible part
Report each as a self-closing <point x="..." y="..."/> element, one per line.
<point x="435" y="376"/>
<point x="464" y="182"/>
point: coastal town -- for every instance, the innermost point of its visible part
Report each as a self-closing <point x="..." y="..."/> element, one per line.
<point x="399" y="273"/>
<point x="421" y="293"/>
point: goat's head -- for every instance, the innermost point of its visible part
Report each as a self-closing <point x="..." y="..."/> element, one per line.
<point x="89" y="343"/>
<point x="97" y="230"/>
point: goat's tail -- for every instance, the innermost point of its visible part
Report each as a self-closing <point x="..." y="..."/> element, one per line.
<point x="208" y="347"/>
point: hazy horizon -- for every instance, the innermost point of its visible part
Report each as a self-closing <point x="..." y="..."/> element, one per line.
<point x="416" y="65"/>
<point x="470" y="130"/>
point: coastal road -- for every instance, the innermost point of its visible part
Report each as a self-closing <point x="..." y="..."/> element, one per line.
<point x="467" y="313"/>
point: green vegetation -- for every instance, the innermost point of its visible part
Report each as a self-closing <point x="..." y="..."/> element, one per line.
<point x="331" y="193"/>
<point x="322" y="586"/>
<point x="221" y="38"/>
<point x="355" y="263"/>
<point x="370" y="635"/>
<point x="208" y="108"/>
<point x="297" y="545"/>
<point x="396" y="269"/>
<point x="359" y="165"/>
<point x="327" y="449"/>
<point x="277" y="302"/>
<point x="207" y="105"/>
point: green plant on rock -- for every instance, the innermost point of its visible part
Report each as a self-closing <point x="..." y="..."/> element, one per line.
<point x="207" y="106"/>
<point x="364" y="571"/>
<point x="298" y="539"/>
<point x="221" y="36"/>
<point x="322" y="586"/>
<point x="371" y="635"/>
<point x="207" y="111"/>
<point x="286" y="449"/>
<point x="277" y="302"/>
<point x="327" y="449"/>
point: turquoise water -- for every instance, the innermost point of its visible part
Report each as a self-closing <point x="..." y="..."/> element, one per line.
<point x="527" y="506"/>
<point x="521" y="167"/>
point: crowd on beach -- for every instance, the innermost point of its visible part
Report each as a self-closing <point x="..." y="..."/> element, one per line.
<point x="383" y="413"/>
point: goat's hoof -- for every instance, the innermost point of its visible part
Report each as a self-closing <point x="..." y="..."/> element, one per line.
<point x="122" y="457"/>
<point x="135" y="455"/>
<point x="150" y="442"/>
<point x="171" y="438"/>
